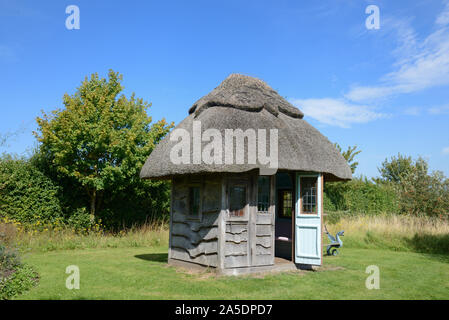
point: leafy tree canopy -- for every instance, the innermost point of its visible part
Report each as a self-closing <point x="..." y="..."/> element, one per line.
<point x="349" y="155"/>
<point x="397" y="168"/>
<point x="100" y="138"/>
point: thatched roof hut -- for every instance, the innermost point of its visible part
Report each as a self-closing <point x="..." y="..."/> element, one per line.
<point x="229" y="214"/>
<point x="249" y="103"/>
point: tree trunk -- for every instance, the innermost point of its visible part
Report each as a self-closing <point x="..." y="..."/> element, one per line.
<point x="93" y="200"/>
<point x="99" y="201"/>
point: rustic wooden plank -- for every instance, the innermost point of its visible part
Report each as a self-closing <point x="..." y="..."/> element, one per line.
<point x="171" y="221"/>
<point x="236" y="228"/>
<point x="260" y="250"/>
<point x="211" y="197"/>
<point x="222" y="224"/>
<point x="265" y="241"/>
<point x="194" y="250"/>
<point x="264" y="218"/>
<point x="236" y="249"/>
<point x="184" y="230"/>
<point x="207" y="260"/>
<point x="253" y="185"/>
<point x="264" y="260"/>
<point x="264" y="230"/>
<point x="208" y="219"/>
<point x="273" y="214"/>
<point x="236" y="261"/>
<point x="237" y="238"/>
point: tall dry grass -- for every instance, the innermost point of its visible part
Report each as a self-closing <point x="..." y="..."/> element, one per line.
<point x="149" y="234"/>
<point x="396" y="232"/>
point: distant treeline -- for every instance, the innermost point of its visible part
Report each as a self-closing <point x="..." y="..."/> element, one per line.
<point x="405" y="186"/>
<point x="86" y="169"/>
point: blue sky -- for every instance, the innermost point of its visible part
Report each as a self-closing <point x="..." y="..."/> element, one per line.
<point x="385" y="90"/>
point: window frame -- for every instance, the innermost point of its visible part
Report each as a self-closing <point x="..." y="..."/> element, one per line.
<point x="281" y="206"/>
<point x="189" y="215"/>
<point x="237" y="183"/>
<point x="319" y="200"/>
<point x="269" y="209"/>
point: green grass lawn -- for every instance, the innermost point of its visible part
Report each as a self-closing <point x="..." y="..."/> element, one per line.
<point x="142" y="273"/>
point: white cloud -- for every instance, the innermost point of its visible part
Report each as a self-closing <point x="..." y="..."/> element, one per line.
<point x="444" y="109"/>
<point x="413" y="111"/>
<point x="443" y="18"/>
<point x="420" y="64"/>
<point x="445" y="150"/>
<point x="336" y="112"/>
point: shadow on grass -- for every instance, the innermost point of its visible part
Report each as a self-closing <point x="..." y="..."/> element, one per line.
<point x="155" y="257"/>
<point x="436" y="246"/>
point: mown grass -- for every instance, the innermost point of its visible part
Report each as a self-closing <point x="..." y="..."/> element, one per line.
<point x="142" y="273"/>
<point x="411" y="253"/>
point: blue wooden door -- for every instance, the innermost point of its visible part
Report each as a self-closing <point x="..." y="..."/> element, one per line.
<point x="308" y="213"/>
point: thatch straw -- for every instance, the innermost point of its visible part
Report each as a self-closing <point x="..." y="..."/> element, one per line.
<point x="243" y="102"/>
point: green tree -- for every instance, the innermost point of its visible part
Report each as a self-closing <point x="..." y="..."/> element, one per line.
<point x="422" y="193"/>
<point x="397" y="168"/>
<point x="100" y="139"/>
<point x="26" y="194"/>
<point x="349" y="155"/>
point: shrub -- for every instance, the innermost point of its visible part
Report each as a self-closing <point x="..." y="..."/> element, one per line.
<point x="8" y="232"/>
<point x="368" y="197"/>
<point x="328" y="204"/>
<point x="362" y="196"/>
<point x="138" y="204"/>
<point x="27" y="194"/>
<point x="80" y="219"/>
<point x="9" y="260"/>
<point x="420" y="192"/>
<point x="21" y="280"/>
<point x="424" y="194"/>
<point x="15" y="277"/>
<point x="397" y="168"/>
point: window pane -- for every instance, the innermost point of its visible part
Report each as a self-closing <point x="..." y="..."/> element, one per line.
<point x="194" y="201"/>
<point x="285" y="203"/>
<point x="263" y="194"/>
<point x="237" y="200"/>
<point x="309" y="194"/>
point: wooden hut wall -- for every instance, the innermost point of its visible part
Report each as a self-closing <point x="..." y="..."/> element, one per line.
<point x="248" y="240"/>
<point x="263" y="243"/>
<point x="236" y="242"/>
<point x="195" y="239"/>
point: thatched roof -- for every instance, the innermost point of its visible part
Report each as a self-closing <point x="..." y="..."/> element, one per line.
<point x="242" y="102"/>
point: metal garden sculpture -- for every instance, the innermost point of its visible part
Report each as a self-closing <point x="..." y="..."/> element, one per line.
<point x="336" y="242"/>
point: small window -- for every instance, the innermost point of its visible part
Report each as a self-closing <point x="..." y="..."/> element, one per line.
<point x="309" y="195"/>
<point x="263" y="194"/>
<point x="237" y="201"/>
<point x="285" y="203"/>
<point x="194" y="202"/>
